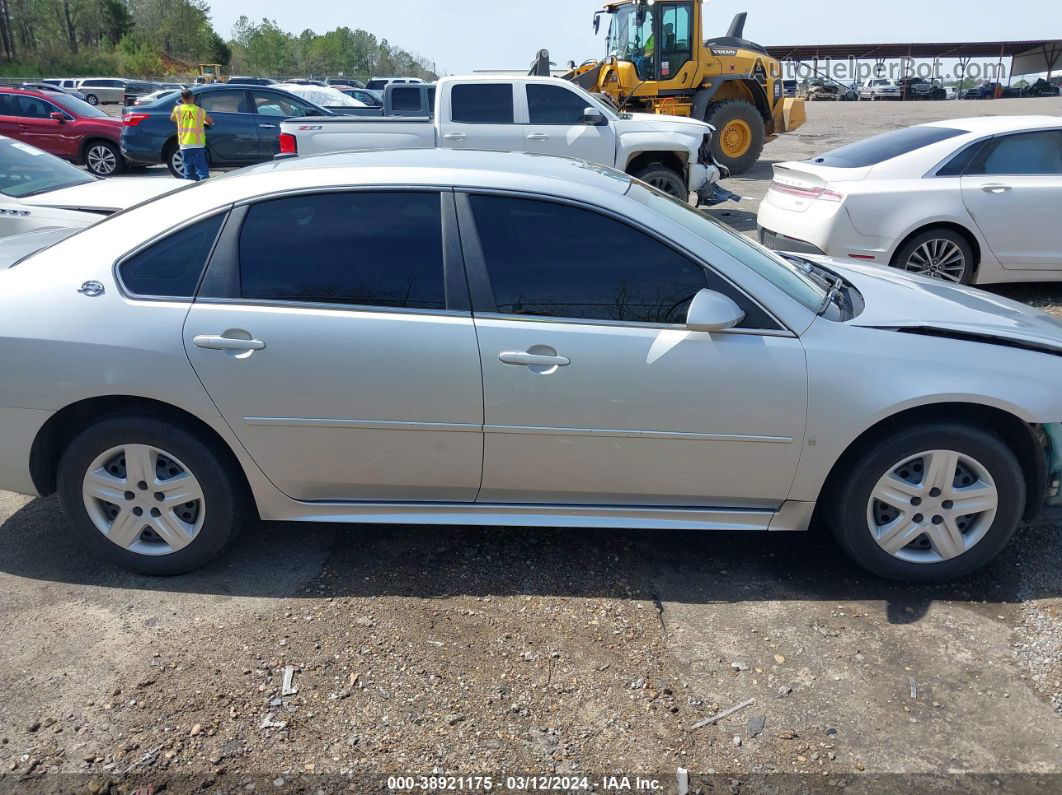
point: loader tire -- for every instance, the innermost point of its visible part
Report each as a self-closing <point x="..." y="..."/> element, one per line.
<point x="739" y="134"/>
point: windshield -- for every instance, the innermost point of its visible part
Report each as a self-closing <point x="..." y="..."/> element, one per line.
<point x="322" y="96"/>
<point x="78" y="107"/>
<point x="27" y="171"/>
<point x="626" y="38"/>
<point x="783" y="274"/>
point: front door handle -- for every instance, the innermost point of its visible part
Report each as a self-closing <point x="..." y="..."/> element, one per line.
<point x="526" y="359"/>
<point x="995" y="188"/>
<point x="538" y="137"/>
<point x="454" y="136"/>
<point x="216" y="342"/>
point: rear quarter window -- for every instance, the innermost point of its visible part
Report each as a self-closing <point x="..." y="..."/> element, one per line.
<point x="885" y="147"/>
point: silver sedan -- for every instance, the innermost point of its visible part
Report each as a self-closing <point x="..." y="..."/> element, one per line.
<point x="456" y="337"/>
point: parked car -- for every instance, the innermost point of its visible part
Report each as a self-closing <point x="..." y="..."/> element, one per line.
<point x="822" y="90"/>
<point x="155" y="96"/>
<point x="134" y="89"/>
<point x="64" y="126"/>
<point x="102" y="90"/>
<point x="304" y="81"/>
<point x="964" y="200"/>
<point x="62" y="82"/>
<point x="1041" y="88"/>
<point x="380" y="83"/>
<point x="252" y="81"/>
<point x="323" y="96"/>
<point x="986" y="90"/>
<point x="912" y="88"/>
<point x="369" y="99"/>
<point x="879" y="88"/>
<point x="41" y="192"/>
<point x="540" y="342"/>
<point x="54" y="89"/>
<point x="950" y="92"/>
<point x="344" y="82"/>
<point x="534" y="114"/>
<point x="246" y="126"/>
<point x="399" y="99"/>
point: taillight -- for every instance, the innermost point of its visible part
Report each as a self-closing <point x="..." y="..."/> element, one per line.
<point x="288" y="144"/>
<point x="134" y="119"/>
<point x="807" y="193"/>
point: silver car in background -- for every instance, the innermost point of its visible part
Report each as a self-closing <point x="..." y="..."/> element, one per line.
<point x="462" y="337"/>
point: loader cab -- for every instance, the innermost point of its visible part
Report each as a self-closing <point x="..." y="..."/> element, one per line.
<point x="658" y="38"/>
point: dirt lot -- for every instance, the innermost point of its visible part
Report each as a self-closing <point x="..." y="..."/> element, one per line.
<point x="504" y="652"/>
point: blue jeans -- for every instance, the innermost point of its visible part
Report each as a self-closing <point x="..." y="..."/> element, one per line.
<point x="195" y="163"/>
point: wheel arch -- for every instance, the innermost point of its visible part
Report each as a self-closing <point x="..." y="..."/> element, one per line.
<point x="676" y="160"/>
<point x="954" y="226"/>
<point x="61" y="428"/>
<point x="1021" y="437"/>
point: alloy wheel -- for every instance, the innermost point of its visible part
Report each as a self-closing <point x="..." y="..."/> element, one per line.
<point x="177" y="162"/>
<point x="101" y="160"/>
<point x="938" y="258"/>
<point x="933" y="506"/>
<point x="143" y="499"/>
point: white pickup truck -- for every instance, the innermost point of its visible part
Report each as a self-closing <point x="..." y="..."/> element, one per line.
<point x="543" y="115"/>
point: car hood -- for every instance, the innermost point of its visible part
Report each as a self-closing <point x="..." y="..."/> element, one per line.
<point x="895" y="300"/>
<point x="16" y="247"/>
<point x="646" y="122"/>
<point x="105" y="195"/>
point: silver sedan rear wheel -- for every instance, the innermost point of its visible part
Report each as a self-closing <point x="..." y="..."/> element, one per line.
<point x="932" y="507"/>
<point x="938" y="258"/>
<point x="144" y="499"/>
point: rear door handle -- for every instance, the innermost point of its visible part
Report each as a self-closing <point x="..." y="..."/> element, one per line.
<point x="526" y="359"/>
<point x="268" y="126"/>
<point x="538" y="137"/>
<point x="454" y="136"/>
<point x="995" y="188"/>
<point x="214" y="342"/>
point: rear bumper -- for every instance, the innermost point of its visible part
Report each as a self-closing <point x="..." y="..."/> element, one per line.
<point x="18" y="429"/>
<point x="780" y="242"/>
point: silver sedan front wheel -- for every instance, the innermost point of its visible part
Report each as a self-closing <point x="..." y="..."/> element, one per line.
<point x="144" y="499"/>
<point x="932" y="507"/>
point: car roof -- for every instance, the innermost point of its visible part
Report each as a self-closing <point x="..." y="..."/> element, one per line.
<point x="33" y="92"/>
<point x="987" y="125"/>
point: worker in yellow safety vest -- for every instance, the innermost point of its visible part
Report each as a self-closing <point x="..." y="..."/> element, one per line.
<point x="192" y="121"/>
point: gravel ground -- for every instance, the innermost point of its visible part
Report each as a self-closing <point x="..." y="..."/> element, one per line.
<point x="502" y="652"/>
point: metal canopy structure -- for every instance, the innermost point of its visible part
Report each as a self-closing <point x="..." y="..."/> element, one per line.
<point x="1029" y="57"/>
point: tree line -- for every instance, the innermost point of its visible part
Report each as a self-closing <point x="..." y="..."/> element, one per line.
<point x="158" y="38"/>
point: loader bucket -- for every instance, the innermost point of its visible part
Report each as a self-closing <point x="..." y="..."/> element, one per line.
<point x="789" y="115"/>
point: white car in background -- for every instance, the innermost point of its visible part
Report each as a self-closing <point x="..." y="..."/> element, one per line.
<point x="964" y="200"/>
<point x="322" y="96"/>
<point x="41" y="191"/>
<point x="880" y="88"/>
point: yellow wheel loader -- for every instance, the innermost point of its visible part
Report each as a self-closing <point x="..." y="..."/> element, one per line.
<point x="658" y="62"/>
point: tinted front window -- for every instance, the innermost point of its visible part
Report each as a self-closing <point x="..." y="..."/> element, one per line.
<point x="34" y="108"/>
<point x="223" y="101"/>
<point x="171" y="267"/>
<point x="373" y="249"/>
<point x="885" y="146"/>
<point x="1023" y="153"/>
<point x="555" y="260"/>
<point x="27" y="171"/>
<point x="554" y="105"/>
<point x="482" y="103"/>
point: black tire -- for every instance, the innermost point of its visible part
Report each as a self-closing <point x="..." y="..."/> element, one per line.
<point x="848" y="498"/>
<point x="719" y="115"/>
<point x="663" y="178"/>
<point x="902" y="258"/>
<point x="103" y="158"/>
<point x="171" y="156"/>
<point x="225" y="498"/>
<point x="92" y="99"/>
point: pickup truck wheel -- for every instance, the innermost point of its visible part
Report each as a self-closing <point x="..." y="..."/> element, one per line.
<point x="739" y="134"/>
<point x="663" y="178"/>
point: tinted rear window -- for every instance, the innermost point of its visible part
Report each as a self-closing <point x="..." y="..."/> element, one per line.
<point x="885" y="147"/>
<point x="405" y="98"/>
<point x="482" y="103"/>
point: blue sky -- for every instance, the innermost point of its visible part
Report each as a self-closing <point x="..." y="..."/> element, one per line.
<point x="462" y="35"/>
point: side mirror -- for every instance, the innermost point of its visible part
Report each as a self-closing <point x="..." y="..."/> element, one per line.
<point x="593" y="117"/>
<point x="59" y="117"/>
<point x="597" y="23"/>
<point x="712" y="311"/>
<point x="641" y="13"/>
